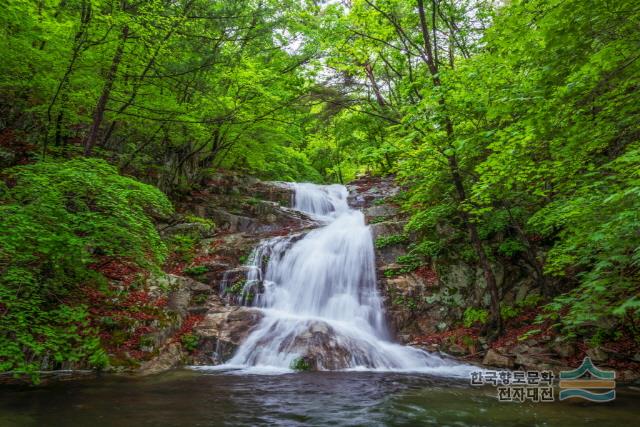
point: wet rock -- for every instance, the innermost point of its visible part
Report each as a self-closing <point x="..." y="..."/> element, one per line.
<point x="199" y="309"/>
<point x="229" y="222"/>
<point x="629" y="376"/>
<point x="273" y="191"/>
<point x="483" y="343"/>
<point x="387" y="228"/>
<point x="564" y="349"/>
<point x="191" y="289"/>
<point x="381" y="210"/>
<point x="222" y="330"/>
<point x="597" y="354"/>
<point x="389" y="254"/>
<point x="493" y="358"/>
<point x="271" y="218"/>
<point x="264" y="217"/>
<point x="324" y="348"/>
<point x="170" y="357"/>
<point x="227" y="246"/>
<point x="528" y="361"/>
<point x="194" y="229"/>
<point x="456" y="350"/>
<point x="527" y="348"/>
<point x="407" y="284"/>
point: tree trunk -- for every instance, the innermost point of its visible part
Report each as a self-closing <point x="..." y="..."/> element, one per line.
<point x="490" y="278"/>
<point x="98" y="114"/>
<point x="376" y="89"/>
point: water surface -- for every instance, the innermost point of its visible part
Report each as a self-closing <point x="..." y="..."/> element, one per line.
<point x="188" y="398"/>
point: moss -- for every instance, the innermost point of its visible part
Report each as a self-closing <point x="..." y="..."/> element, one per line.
<point x="475" y="315"/>
<point x="378" y="219"/>
<point x="409" y="263"/>
<point x="300" y="364"/>
<point x="183" y="245"/>
<point x="394" y="239"/>
<point x="196" y="270"/>
<point x="189" y="341"/>
<point x="236" y="288"/>
<point x="209" y="224"/>
<point x="200" y="299"/>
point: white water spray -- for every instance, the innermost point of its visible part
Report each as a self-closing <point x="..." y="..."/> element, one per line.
<point x="319" y="296"/>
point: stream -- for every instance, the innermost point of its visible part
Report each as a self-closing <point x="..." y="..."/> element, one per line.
<point x="193" y="398"/>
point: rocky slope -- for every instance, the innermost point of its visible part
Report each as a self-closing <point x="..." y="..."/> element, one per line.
<point x="209" y="279"/>
<point x="191" y="314"/>
<point x="426" y="300"/>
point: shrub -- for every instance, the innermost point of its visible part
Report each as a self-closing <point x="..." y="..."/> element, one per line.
<point x="475" y="315"/>
<point x="196" y="270"/>
<point x="56" y="219"/>
<point x="382" y="242"/>
<point x="189" y="341"/>
<point x="300" y="364"/>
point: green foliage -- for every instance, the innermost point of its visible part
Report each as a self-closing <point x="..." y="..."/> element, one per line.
<point x="509" y="312"/>
<point x="236" y="288"/>
<point x="185" y="96"/>
<point x="196" y="270"/>
<point x="531" y="301"/>
<point x="189" y="341"/>
<point x="378" y="219"/>
<point x="200" y="299"/>
<point x="408" y="262"/>
<point x="209" y="224"/>
<point x="300" y="364"/>
<point x="474" y="316"/>
<point x="428" y="248"/>
<point x="395" y="239"/>
<point x="529" y="134"/>
<point x="57" y="218"/>
<point x="183" y="245"/>
<point x="529" y="334"/>
<point x="511" y="247"/>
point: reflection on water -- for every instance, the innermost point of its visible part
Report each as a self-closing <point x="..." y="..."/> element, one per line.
<point x="337" y="398"/>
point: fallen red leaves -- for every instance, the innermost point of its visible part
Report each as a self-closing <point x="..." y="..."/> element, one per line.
<point x="123" y="313"/>
<point x="115" y="269"/>
<point x="428" y="275"/>
<point x="190" y="322"/>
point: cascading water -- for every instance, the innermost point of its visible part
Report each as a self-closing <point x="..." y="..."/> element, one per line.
<point x="318" y="293"/>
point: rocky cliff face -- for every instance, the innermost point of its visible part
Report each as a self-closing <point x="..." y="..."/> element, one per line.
<point x="206" y="279"/>
<point x="192" y="313"/>
<point x="407" y="290"/>
<point x="422" y="298"/>
<point x="425" y="299"/>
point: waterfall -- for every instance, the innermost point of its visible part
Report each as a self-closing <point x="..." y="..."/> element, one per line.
<point x="318" y="293"/>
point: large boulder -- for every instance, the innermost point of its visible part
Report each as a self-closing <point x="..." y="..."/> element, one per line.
<point x="319" y="346"/>
<point x="222" y="330"/>
<point x="493" y="358"/>
<point x="171" y="356"/>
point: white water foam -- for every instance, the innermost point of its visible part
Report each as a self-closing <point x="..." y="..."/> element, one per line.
<point x="318" y="293"/>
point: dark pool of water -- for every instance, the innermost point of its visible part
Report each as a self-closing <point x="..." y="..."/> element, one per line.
<point x="187" y="398"/>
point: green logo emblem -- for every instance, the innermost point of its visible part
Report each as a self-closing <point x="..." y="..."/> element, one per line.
<point x="580" y="381"/>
